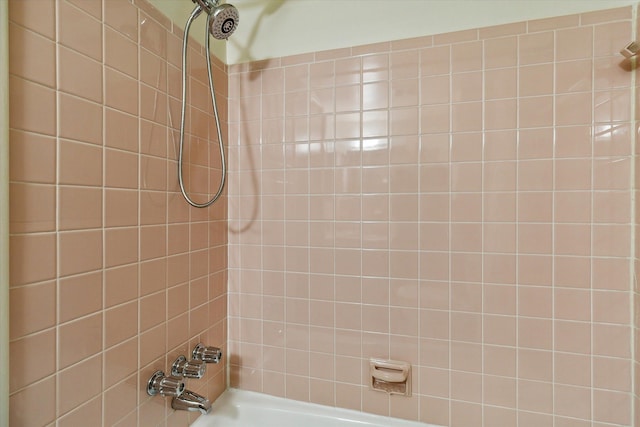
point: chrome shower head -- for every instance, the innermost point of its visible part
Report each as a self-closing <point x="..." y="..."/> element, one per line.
<point x="223" y="21"/>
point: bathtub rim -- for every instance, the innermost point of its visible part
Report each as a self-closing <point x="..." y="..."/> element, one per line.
<point x="238" y="398"/>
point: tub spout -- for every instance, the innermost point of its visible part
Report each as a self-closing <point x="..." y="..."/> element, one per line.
<point x="190" y="401"/>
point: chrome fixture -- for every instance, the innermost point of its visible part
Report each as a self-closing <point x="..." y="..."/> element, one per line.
<point x="222" y="21"/>
<point x="207" y="354"/>
<point x="164" y="386"/>
<point x="188" y="368"/>
<point x="190" y="401"/>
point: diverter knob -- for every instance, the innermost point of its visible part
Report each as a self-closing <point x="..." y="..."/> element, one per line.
<point x="188" y="368"/>
<point x="207" y="354"/>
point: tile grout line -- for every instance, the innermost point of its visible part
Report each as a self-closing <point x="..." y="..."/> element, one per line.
<point x="634" y="226"/>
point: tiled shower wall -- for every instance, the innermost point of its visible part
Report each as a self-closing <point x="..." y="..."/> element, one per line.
<point x="112" y="275"/>
<point x="461" y="202"/>
<point x="636" y="289"/>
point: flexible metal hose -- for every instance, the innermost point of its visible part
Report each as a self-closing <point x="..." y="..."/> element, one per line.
<point x="194" y="14"/>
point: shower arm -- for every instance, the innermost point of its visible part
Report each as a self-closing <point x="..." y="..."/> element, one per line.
<point x="207" y="5"/>
<point x="194" y="14"/>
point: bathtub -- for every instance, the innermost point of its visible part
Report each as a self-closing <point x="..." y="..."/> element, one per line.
<point x="238" y="408"/>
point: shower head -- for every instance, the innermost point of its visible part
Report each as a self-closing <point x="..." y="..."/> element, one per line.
<point x="223" y="21"/>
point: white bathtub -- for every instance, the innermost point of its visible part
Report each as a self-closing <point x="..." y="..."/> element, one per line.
<point x="238" y="408"/>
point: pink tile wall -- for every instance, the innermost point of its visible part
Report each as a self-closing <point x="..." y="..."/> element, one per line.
<point x="112" y="275"/>
<point x="461" y="202"/>
<point x="636" y="289"/>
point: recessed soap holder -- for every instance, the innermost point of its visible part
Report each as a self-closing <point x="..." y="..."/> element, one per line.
<point x="390" y="376"/>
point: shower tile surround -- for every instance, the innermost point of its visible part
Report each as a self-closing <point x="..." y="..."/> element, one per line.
<point x="112" y="275"/>
<point x="461" y="201"/>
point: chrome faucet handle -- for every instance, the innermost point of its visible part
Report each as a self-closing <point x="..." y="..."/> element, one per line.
<point x="164" y="386"/>
<point x="188" y="368"/>
<point x="207" y="354"/>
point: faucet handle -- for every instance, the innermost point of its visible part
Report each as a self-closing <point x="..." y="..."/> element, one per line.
<point x="164" y="386"/>
<point x="207" y="354"/>
<point x="188" y="368"/>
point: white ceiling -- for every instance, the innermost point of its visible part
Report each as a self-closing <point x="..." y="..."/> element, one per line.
<point x="275" y="28"/>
